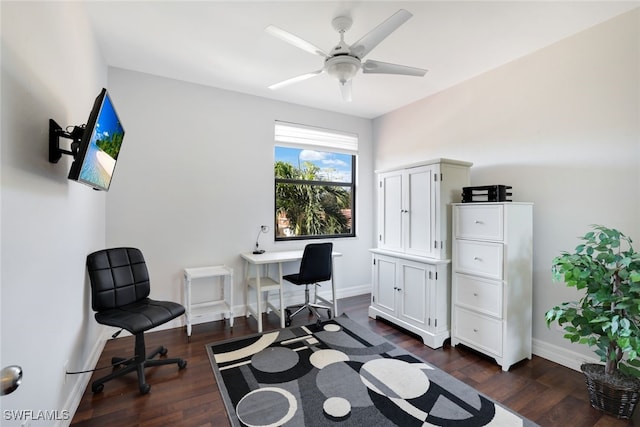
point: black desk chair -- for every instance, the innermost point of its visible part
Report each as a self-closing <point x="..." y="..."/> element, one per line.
<point x="119" y="296"/>
<point x="315" y="267"/>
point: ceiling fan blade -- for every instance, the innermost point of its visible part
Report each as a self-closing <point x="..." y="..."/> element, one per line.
<point x="295" y="40"/>
<point x="295" y="80"/>
<point x="379" y="67"/>
<point x="345" y="89"/>
<point x="370" y="40"/>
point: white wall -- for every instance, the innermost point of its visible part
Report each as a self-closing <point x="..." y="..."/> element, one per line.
<point x="194" y="180"/>
<point x="562" y="126"/>
<point x="49" y="224"/>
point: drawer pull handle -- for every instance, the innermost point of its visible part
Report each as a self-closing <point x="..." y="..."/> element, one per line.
<point x="477" y="221"/>
<point x="475" y="294"/>
<point x="475" y="258"/>
<point x="475" y="330"/>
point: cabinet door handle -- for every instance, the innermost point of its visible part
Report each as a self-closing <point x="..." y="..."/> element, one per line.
<point x="476" y="258"/>
<point x="475" y="294"/>
<point x="475" y="330"/>
<point x="477" y="221"/>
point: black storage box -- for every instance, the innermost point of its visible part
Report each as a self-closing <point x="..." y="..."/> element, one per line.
<point x="486" y="193"/>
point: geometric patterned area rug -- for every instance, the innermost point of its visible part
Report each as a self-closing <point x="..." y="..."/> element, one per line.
<point x="340" y="373"/>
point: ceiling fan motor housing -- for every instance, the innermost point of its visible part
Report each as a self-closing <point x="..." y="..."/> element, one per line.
<point x="342" y="67"/>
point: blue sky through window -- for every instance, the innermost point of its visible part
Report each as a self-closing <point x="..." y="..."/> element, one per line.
<point x="334" y="166"/>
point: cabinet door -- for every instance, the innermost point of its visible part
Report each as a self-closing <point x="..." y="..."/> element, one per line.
<point x="419" y="213"/>
<point x="391" y="211"/>
<point x="384" y="283"/>
<point x="413" y="288"/>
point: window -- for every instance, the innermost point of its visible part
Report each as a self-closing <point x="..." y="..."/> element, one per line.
<point x="314" y="172"/>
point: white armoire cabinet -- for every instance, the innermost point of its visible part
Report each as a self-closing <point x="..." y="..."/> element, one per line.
<point x="492" y="279"/>
<point x="411" y="265"/>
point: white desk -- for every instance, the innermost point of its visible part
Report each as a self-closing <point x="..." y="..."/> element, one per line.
<point x="262" y="281"/>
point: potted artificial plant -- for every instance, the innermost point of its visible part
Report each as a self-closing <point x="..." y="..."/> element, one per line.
<point x="606" y="270"/>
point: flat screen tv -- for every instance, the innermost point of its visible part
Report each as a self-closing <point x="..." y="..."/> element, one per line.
<point x="99" y="146"/>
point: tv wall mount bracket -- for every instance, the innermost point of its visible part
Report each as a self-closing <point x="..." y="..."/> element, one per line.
<point x="55" y="133"/>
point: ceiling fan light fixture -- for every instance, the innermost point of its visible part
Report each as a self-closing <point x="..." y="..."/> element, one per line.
<point x="342" y="67"/>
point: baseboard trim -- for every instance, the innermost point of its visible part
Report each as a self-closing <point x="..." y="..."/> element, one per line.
<point x="352" y="291"/>
<point x="560" y="355"/>
<point x="82" y="380"/>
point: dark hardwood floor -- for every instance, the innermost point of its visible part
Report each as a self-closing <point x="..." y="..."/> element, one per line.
<point x="545" y="392"/>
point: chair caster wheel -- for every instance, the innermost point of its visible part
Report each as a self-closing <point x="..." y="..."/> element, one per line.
<point x="144" y="388"/>
<point x="163" y="351"/>
<point x="182" y="364"/>
<point x="97" y="388"/>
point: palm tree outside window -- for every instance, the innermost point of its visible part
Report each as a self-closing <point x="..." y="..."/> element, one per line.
<point x="314" y="174"/>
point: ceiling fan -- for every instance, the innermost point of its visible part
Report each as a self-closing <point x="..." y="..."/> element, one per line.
<point x="344" y="61"/>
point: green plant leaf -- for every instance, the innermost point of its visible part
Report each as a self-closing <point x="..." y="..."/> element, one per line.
<point x="605" y="269"/>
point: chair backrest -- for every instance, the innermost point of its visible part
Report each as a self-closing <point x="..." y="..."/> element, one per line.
<point x="118" y="277"/>
<point x="315" y="265"/>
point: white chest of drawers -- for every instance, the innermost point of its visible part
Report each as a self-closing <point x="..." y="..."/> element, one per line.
<point x="492" y="279"/>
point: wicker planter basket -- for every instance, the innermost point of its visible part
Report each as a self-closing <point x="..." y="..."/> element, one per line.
<point x="615" y="395"/>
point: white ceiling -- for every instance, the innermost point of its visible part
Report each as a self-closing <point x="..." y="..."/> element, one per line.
<point x="223" y="44"/>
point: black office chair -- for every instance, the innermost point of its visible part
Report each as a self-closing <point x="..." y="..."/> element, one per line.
<point x="315" y="267"/>
<point x="119" y="296"/>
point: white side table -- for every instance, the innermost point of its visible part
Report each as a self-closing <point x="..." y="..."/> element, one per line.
<point x="203" y="311"/>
